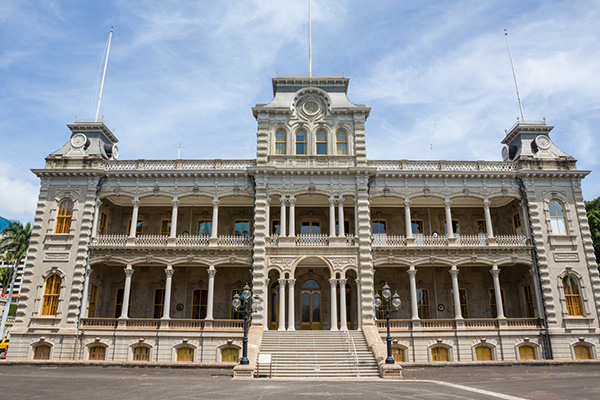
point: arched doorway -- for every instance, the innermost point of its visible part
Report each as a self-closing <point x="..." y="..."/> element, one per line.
<point x="274" y="309"/>
<point x="311" y="305"/>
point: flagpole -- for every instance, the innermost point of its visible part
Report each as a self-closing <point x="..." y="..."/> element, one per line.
<point x="103" y="75"/>
<point x="309" y="40"/>
<point x="514" y="75"/>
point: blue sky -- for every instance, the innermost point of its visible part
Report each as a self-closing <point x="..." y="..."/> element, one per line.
<point x="434" y="72"/>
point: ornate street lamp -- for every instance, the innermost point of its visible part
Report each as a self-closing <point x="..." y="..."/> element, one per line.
<point x="385" y="305"/>
<point x="246" y="305"/>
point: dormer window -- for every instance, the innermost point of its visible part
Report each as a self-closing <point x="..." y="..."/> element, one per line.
<point x="301" y="142"/>
<point x="280" y="142"/>
<point x="341" y="141"/>
<point x="321" y="142"/>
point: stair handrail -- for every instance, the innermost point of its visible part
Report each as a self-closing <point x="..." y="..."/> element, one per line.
<point x="355" y="353"/>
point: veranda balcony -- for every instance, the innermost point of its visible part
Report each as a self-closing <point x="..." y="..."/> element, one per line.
<point x="153" y="324"/>
<point x="165" y="241"/>
<point x="379" y="240"/>
<point x="467" y="323"/>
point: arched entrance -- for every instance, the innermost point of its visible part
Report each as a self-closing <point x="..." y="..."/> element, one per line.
<point x="274" y="308"/>
<point x="311" y="305"/>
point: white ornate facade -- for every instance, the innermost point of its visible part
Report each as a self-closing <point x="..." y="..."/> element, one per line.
<point x="138" y="260"/>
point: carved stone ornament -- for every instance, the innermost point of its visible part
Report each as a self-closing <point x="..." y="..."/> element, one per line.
<point x="283" y="262"/>
<point x="542" y="142"/>
<point x="311" y="107"/>
<point x="78" y="140"/>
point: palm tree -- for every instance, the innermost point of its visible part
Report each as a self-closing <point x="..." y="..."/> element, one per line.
<point x="6" y="273"/>
<point x="15" y="240"/>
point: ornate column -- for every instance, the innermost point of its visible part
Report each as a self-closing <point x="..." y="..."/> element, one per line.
<point x="84" y="295"/>
<point x="343" y="318"/>
<point x="291" y="322"/>
<point x="407" y="219"/>
<point x="175" y="203"/>
<point x="282" y="221"/>
<point x="267" y="299"/>
<point x="497" y="291"/>
<point x="449" y="231"/>
<point x="134" y="216"/>
<point x="215" y="219"/>
<point x="488" y="218"/>
<point x="333" y="285"/>
<point x="167" y="306"/>
<point x="331" y="217"/>
<point x="358" y="310"/>
<point x="126" y="292"/>
<point x="95" y="222"/>
<point x="341" y="232"/>
<point x="210" y="301"/>
<point x="414" y="305"/>
<point x="455" y="292"/>
<point x="281" y="304"/>
<point x="292" y="223"/>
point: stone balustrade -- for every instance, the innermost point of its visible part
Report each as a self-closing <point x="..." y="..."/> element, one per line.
<point x="163" y="241"/>
<point x="462" y="240"/>
<point x="155" y="324"/>
<point x="451" y="324"/>
<point x="443" y="166"/>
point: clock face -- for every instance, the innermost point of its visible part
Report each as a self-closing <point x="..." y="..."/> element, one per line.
<point x="542" y="142"/>
<point x="78" y="140"/>
<point x="115" y="152"/>
<point x="505" y="153"/>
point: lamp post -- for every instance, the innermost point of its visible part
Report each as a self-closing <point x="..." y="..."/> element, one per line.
<point x="385" y="305"/>
<point x="247" y="306"/>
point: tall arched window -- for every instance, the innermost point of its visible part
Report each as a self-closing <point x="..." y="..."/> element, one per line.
<point x="572" y="296"/>
<point x="341" y="141"/>
<point x="51" y="295"/>
<point x="280" y="142"/>
<point x="557" y="218"/>
<point x="321" y="142"/>
<point x="63" y="219"/>
<point x="301" y="142"/>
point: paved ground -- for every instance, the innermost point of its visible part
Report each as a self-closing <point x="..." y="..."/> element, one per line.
<point x="509" y="382"/>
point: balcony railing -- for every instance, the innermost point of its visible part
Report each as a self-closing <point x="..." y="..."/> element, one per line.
<point x="462" y="240"/>
<point x="443" y="166"/>
<point x="155" y="324"/>
<point x="451" y="324"/>
<point x="307" y="240"/>
<point x="163" y="241"/>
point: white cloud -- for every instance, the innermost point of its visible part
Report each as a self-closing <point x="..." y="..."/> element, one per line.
<point x="18" y="194"/>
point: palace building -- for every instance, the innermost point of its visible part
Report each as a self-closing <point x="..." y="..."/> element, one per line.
<point x="139" y="260"/>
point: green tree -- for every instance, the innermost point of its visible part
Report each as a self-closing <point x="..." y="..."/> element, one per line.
<point x="593" y="213"/>
<point x="14" y="240"/>
<point x="6" y="273"/>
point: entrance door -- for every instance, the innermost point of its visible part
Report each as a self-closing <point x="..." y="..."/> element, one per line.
<point x="311" y="305"/>
<point x="274" y="310"/>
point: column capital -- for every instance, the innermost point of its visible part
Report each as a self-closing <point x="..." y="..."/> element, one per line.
<point x="486" y="203"/>
<point x="332" y="201"/>
<point x="98" y="203"/>
<point x="342" y="282"/>
<point x="407" y="203"/>
<point x="333" y="283"/>
<point x="292" y="201"/>
<point x="283" y="200"/>
<point x="453" y="272"/>
<point x="341" y="200"/>
<point x="136" y="203"/>
<point x="447" y="203"/>
<point x="268" y="201"/>
<point x="281" y="282"/>
<point x="412" y="272"/>
<point x="211" y="271"/>
<point x="495" y="272"/>
<point x="291" y="282"/>
<point x="215" y="202"/>
<point x="128" y="272"/>
<point x="169" y="271"/>
<point x="357" y="280"/>
<point x="175" y="202"/>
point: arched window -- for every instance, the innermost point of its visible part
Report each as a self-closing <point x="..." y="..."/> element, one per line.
<point x="42" y="352"/>
<point x="572" y="296"/>
<point x="341" y="141"/>
<point x="439" y="353"/>
<point x="582" y="352"/>
<point x="557" y="218"/>
<point x="230" y="354"/>
<point x="141" y="353"/>
<point x="398" y="354"/>
<point x="63" y="218"/>
<point x="301" y="142"/>
<point x="483" y="353"/>
<point x="527" y="352"/>
<point x="321" y="142"/>
<point x="51" y="294"/>
<point x="185" y="354"/>
<point x="280" y="142"/>
<point x="97" y="353"/>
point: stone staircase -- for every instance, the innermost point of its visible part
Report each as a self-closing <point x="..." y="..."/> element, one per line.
<point x="318" y="354"/>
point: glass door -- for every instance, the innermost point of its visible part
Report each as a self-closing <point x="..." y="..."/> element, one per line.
<point x="311" y="305"/>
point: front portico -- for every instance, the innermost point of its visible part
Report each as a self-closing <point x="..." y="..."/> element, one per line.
<point x="312" y="293"/>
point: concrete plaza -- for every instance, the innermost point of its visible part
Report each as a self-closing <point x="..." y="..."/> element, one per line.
<point x="543" y="382"/>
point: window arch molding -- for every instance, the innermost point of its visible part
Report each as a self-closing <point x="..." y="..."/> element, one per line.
<point x="38" y="343"/>
<point x="42" y="289"/>
<point x="349" y="144"/>
<point x="329" y="139"/>
<point x="404" y="350"/>
<point x="441" y="344"/>
<point x="585" y="343"/>
<point x="226" y="345"/>
<point x="276" y="140"/>
<point x="183" y="345"/>
<point x="525" y="343"/>
<point x="133" y="346"/>
<point x="65" y="210"/>
<point x="582" y="292"/>
<point x="486" y="345"/>
<point x="93" y="344"/>
<point x="567" y="212"/>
